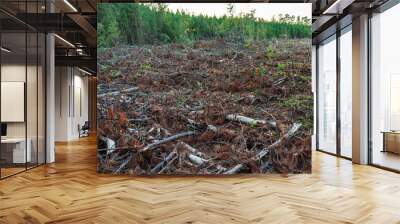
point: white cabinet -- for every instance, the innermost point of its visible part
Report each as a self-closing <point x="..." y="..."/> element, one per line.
<point x="18" y="149"/>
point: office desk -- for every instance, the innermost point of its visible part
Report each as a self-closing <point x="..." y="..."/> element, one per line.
<point x="13" y="150"/>
<point x="391" y="141"/>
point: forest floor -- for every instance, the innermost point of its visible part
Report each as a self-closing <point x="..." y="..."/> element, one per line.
<point x="212" y="107"/>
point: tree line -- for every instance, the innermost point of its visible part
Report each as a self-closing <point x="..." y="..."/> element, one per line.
<point x="138" y="24"/>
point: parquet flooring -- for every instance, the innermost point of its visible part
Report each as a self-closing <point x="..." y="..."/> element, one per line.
<point x="70" y="191"/>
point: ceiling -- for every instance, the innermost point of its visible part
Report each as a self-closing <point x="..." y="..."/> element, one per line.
<point x="330" y="15"/>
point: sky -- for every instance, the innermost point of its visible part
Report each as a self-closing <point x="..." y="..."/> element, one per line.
<point x="263" y="10"/>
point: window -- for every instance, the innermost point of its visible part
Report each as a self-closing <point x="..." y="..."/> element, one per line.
<point x="327" y="95"/>
<point x="385" y="89"/>
<point x="346" y="92"/>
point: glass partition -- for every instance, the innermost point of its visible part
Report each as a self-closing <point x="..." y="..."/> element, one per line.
<point x="385" y="89"/>
<point x="22" y="88"/>
<point x="13" y="94"/>
<point x="327" y="95"/>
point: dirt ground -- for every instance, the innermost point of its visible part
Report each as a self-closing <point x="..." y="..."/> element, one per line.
<point x="211" y="107"/>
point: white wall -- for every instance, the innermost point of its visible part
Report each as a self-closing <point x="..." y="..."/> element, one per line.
<point x="12" y="73"/>
<point x="71" y="103"/>
<point x="62" y="81"/>
<point x="33" y="126"/>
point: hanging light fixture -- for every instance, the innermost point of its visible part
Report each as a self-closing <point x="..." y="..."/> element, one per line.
<point x="64" y="40"/>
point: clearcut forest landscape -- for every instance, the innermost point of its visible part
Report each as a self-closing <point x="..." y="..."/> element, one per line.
<point x="187" y="94"/>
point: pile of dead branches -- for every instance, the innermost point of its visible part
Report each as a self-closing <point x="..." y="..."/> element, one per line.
<point x="215" y="108"/>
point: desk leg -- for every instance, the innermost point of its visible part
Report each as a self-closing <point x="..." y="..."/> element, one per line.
<point x="384" y="142"/>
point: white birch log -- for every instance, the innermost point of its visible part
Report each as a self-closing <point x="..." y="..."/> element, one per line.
<point x="249" y="121"/>
<point x="235" y="169"/>
<point x="197" y="160"/>
<point x="194" y="155"/>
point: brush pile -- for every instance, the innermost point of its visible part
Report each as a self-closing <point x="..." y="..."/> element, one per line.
<point x="213" y="107"/>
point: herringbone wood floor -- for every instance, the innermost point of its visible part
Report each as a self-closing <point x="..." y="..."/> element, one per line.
<point x="70" y="191"/>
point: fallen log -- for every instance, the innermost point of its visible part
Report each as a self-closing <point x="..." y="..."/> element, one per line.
<point x="249" y="121"/>
<point x="265" y="151"/>
<point x="168" y="139"/>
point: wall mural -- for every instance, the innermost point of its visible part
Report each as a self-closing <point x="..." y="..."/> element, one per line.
<point x="204" y="88"/>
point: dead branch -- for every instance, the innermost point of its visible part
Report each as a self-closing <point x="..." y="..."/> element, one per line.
<point x="280" y="141"/>
<point x="133" y="120"/>
<point x="116" y="93"/>
<point x="265" y="151"/>
<point x="114" y="149"/>
<point x="168" y="139"/>
<point x="209" y="126"/>
<point x="194" y="155"/>
<point x="168" y="164"/>
<point x="190" y="148"/>
<point x="220" y="169"/>
<point x="279" y="81"/>
<point x="161" y="164"/>
<point x="123" y="165"/>
<point x="166" y="132"/>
